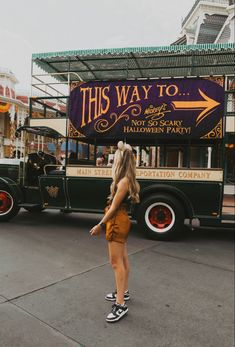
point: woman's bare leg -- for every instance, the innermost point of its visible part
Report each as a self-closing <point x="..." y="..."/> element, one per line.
<point x="116" y="255"/>
<point x="126" y="266"/>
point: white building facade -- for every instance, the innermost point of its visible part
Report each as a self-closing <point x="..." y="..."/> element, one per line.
<point x="213" y="22"/>
<point x="13" y="113"/>
<point x="209" y="21"/>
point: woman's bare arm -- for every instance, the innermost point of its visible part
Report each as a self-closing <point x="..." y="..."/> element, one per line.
<point x="122" y="190"/>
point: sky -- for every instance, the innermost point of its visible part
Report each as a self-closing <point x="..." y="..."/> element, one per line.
<point x="29" y="26"/>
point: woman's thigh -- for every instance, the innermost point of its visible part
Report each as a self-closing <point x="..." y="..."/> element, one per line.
<point x="116" y="251"/>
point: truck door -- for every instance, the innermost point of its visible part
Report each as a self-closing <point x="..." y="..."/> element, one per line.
<point x="88" y="187"/>
<point x="53" y="191"/>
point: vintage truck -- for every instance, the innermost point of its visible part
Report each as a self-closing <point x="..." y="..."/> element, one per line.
<point x="179" y="128"/>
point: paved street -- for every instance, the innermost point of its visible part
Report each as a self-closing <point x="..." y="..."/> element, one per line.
<point x="53" y="278"/>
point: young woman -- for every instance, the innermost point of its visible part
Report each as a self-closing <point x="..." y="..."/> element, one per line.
<point x="124" y="190"/>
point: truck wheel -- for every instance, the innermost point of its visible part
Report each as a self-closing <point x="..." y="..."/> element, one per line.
<point x="161" y="216"/>
<point x="8" y="206"/>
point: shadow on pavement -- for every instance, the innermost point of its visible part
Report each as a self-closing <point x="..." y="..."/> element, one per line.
<point x="87" y="220"/>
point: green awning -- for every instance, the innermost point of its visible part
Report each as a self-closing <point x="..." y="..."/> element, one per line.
<point x="139" y="62"/>
<point x="39" y="131"/>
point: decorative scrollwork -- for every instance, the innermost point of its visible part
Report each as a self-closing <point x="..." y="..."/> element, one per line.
<point x="74" y="132"/>
<point x="103" y="125"/>
<point x="219" y="80"/>
<point x="215" y="133"/>
<point x="74" y="85"/>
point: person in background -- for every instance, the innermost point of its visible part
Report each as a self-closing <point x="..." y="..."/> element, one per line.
<point x="72" y="158"/>
<point x="124" y="190"/>
<point x="110" y="163"/>
<point x="62" y="160"/>
<point x="99" y="161"/>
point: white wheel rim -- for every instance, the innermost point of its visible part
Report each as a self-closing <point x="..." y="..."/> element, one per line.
<point x="159" y="217"/>
<point x="6" y="202"/>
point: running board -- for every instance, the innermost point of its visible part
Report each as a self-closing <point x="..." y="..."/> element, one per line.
<point x="227" y="221"/>
<point x="29" y="205"/>
<point x="228" y="218"/>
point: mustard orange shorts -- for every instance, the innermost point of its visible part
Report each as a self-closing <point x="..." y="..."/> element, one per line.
<point x="118" y="227"/>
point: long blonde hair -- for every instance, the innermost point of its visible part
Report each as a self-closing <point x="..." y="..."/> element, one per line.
<point x="124" y="166"/>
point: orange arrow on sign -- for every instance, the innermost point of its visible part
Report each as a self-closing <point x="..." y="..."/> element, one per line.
<point x="207" y="105"/>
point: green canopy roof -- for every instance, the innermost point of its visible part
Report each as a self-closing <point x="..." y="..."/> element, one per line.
<point x="39" y="130"/>
<point x="139" y="62"/>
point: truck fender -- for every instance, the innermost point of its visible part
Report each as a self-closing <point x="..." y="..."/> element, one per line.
<point x="170" y="190"/>
<point x="13" y="187"/>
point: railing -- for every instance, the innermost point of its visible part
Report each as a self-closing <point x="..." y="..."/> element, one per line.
<point x="57" y="167"/>
<point x="225" y="2"/>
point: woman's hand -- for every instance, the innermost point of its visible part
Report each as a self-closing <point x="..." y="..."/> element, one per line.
<point x="95" y="230"/>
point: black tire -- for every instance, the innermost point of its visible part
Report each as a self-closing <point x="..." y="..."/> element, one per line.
<point x="34" y="209"/>
<point x="8" y="205"/>
<point x="161" y="216"/>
